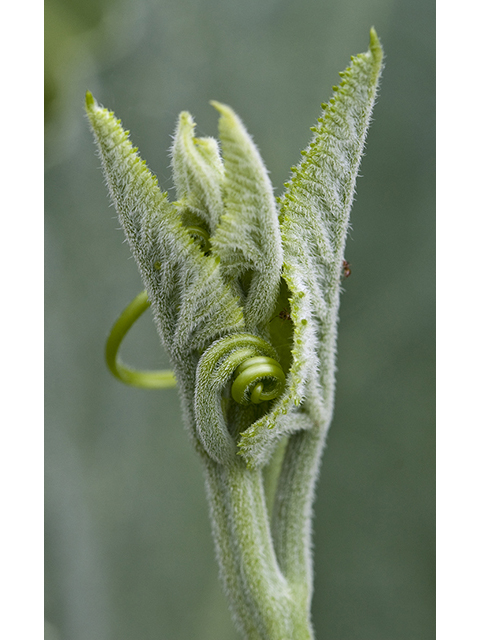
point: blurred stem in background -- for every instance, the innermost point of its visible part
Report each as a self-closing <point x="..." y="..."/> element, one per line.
<point x="81" y="38"/>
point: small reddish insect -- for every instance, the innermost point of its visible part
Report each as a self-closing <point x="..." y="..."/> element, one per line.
<point x="284" y="315"/>
<point x="346" y="269"/>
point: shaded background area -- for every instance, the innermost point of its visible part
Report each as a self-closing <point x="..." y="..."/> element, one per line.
<point x="128" y="547"/>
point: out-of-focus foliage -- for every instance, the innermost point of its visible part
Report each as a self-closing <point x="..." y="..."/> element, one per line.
<point x="66" y="26"/>
<point x="128" y="548"/>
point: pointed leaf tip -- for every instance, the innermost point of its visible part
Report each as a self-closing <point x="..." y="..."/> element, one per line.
<point x="223" y="109"/>
<point x="89" y="101"/>
<point x="186" y="120"/>
<point x="375" y="46"/>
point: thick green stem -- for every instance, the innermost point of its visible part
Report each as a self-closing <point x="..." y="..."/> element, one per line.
<point x="292" y="511"/>
<point x="262" y="602"/>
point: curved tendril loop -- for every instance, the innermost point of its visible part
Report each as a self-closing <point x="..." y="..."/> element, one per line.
<point x="257" y="380"/>
<point x="249" y="362"/>
<point x="133" y="377"/>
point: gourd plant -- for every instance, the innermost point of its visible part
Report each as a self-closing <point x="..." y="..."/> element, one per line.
<point x="244" y="290"/>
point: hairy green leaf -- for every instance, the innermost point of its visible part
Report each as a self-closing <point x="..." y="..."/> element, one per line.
<point x="198" y="174"/>
<point x="192" y="305"/>
<point x="315" y="208"/>
<point x="247" y="239"/>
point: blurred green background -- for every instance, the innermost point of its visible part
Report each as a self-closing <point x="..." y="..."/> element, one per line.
<point x="128" y="547"/>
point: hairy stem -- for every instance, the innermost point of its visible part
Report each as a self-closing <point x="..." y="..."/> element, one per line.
<point x="262" y="601"/>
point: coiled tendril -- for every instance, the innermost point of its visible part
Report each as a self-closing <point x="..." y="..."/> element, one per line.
<point x="257" y="380"/>
<point x="250" y="364"/>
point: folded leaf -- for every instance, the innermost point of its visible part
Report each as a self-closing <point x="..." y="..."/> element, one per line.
<point x="247" y="239"/>
<point x="197" y="173"/>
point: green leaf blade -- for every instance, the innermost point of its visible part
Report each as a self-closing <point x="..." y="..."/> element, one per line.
<point x="133" y="188"/>
<point x="248" y="239"/>
<point x="316" y="206"/>
<point x="172" y="266"/>
<point x="198" y="172"/>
